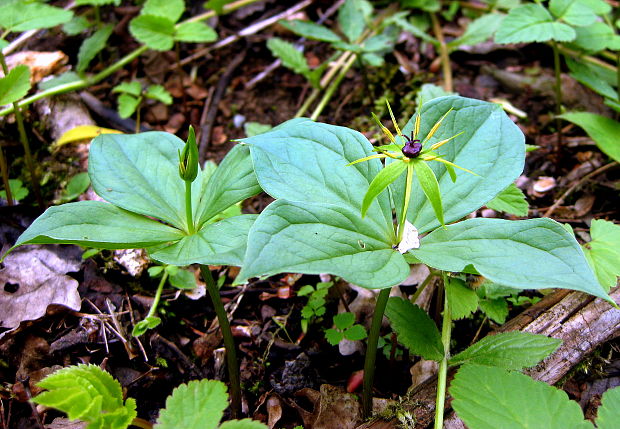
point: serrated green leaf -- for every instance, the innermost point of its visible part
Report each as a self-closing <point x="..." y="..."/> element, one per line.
<point x="603" y="131"/>
<point x="352" y="18"/>
<point x="196" y="405"/>
<point x="310" y="30"/>
<point x="478" y="31"/>
<point x="381" y="181"/>
<point x="430" y="186"/>
<point x="524" y="254"/>
<point x="194" y="32"/>
<point x="334" y="336"/>
<point x="532" y="23"/>
<point x="243" y="424"/>
<point x="594" y="38"/>
<point x="491" y="146"/>
<point x="608" y="414"/>
<point x="127" y="105"/>
<point x="19" y="15"/>
<point x="511" y="200"/>
<point x="574" y="12"/>
<point x="132" y="88"/>
<point x="603" y="252"/>
<point x="344" y="320"/>
<point x="156" y="32"/>
<point x="491" y="398"/>
<point x="415" y="329"/>
<point x="159" y="93"/>
<point x="463" y="301"/>
<point x="355" y="333"/>
<point x="508" y="350"/>
<point x="495" y="309"/>
<point x="15" y="85"/>
<point x="169" y="9"/>
<point x="291" y="57"/>
<point x="92" y="46"/>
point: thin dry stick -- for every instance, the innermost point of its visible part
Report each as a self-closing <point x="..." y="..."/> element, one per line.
<point x="570" y="190"/>
<point x="444" y="54"/>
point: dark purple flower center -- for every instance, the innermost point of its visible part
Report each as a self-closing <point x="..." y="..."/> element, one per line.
<point x="412" y="148"/>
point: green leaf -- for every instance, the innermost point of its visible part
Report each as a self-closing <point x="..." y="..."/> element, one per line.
<point x="381" y="181"/>
<point x="334" y="336"/>
<point x="15" y="85"/>
<point x="524" y="254"/>
<point x="352" y="18"/>
<point x="491" y="146"/>
<point x="159" y="93"/>
<point x="96" y="2"/>
<point x="491" y="398"/>
<point x="156" y="32"/>
<point x="399" y="19"/>
<point x="195" y="405"/>
<point x="132" y="88"/>
<point x="183" y="279"/>
<point x="291" y="57"/>
<point x="233" y="181"/>
<point x="220" y="243"/>
<point x="19" y="15"/>
<point x="508" y="350"/>
<point x="77" y="185"/>
<point x="252" y="129"/>
<point x="242" y="424"/>
<point x="88" y="393"/>
<point x="140" y="328"/>
<point x="67" y="77"/>
<point x="414" y="328"/>
<point x="603" y="252"/>
<point x="77" y="25"/>
<point x="532" y="23"/>
<point x="344" y="320"/>
<point x="573" y="12"/>
<point x="511" y="200"/>
<point x="609" y="411"/>
<point x="169" y="9"/>
<point x="595" y="37"/>
<point x="495" y="309"/>
<point x="378" y="43"/>
<point x="463" y="301"/>
<point x="217" y="5"/>
<point x="601" y="129"/>
<point x="96" y="224"/>
<point x="195" y="32"/>
<point x="18" y="192"/>
<point x="92" y="46"/>
<point x="310" y="30"/>
<point x="478" y="31"/>
<point x="127" y="105"/>
<point x="355" y="333"/>
<point x="430" y="187"/>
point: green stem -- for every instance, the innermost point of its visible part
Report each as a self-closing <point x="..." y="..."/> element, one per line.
<point x="371" y="351"/>
<point x="191" y="229"/>
<point x="405" y="207"/>
<point x="5" y="178"/>
<point x="23" y="138"/>
<point x="141" y="423"/>
<point x="558" y="95"/>
<point x="329" y="92"/>
<point x="421" y="288"/>
<point x="446" y="327"/>
<point x="160" y="288"/>
<point x="229" y="342"/>
<point x="618" y="75"/>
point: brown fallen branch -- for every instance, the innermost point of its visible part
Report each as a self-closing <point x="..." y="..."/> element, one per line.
<point x="582" y="322"/>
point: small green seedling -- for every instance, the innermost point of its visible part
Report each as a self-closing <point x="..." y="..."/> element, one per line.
<point x="17" y="191"/>
<point x="315" y="307"/>
<point x="132" y="94"/>
<point x="76" y="186"/>
<point x="346" y="328"/>
<point x="89" y="394"/>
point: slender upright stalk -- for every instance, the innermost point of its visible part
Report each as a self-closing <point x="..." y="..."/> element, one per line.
<point x="405" y="206"/>
<point x="188" y="207"/>
<point x="23" y="137"/>
<point x="446" y="328"/>
<point x="229" y="342"/>
<point x="443" y="54"/>
<point x="160" y="288"/>
<point x="371" y="351"/>
<point x="558" y="95"/>
<point x="5" y="178"/>
<point x="329" y="92"/>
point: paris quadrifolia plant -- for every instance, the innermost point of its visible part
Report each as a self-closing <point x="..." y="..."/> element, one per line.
<point x="159" y="198"/>
<point x="330" y="215"/>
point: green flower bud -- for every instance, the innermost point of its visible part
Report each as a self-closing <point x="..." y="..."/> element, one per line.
<point x="188" y="159"/>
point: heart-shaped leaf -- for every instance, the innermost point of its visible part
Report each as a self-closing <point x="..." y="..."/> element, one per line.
<point x="524" y="254"/>
<point x="490" y="145"/>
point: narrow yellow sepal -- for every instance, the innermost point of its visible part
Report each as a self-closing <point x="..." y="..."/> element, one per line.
<point x="387" y="132"/>
<point x="393" y="118"/>
<point x="436" y="126"/>
<point x="379" y="155"/>
<point x="443" y="142"/>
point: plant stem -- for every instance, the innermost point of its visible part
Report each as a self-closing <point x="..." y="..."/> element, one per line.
<point x="141" y="423"/>
<point x="371" y="351"/>
<point x="446" y="327"/>
<point x="188" y="207"/>
<point x="443" y="54"/>
<point x="137" y="129"/>
<point x="229" y="342"/>
<point x="23" y="137"/>
<point x="558" y="96"/>
<point x="329" y="92"/>
<point x="160" y="288"/>
<point x="405" y="207"/>
<point x="5" y="178"/>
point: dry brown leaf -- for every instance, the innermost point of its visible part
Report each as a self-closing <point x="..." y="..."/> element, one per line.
<point x="41" y="64"/>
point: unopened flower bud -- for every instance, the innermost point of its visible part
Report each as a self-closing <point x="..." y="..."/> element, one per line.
<point x="188" y="158"/>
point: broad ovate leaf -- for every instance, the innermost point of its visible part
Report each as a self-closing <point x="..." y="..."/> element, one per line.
<point x="490" y="398"/>
<point x="15" y="85"/>
<point x="532" y="23"/>
<point x="352" y="17"/>
<point x="170" y="9"/>
<point x="195" y="32"/>
<point x="524" y="254"/>
<point x="414" y="328"/>
<point x="20" y="15"/>
<point x="573" y="12"/>
<point x="508" y="350"/>
<point x="603" y="130"/>
<point x="491" y="146"/>
<point x="609" y="411"/>
<point x="603" y="252"/>
<point x="156" y="32"/>
<point x="510" y="200"/>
